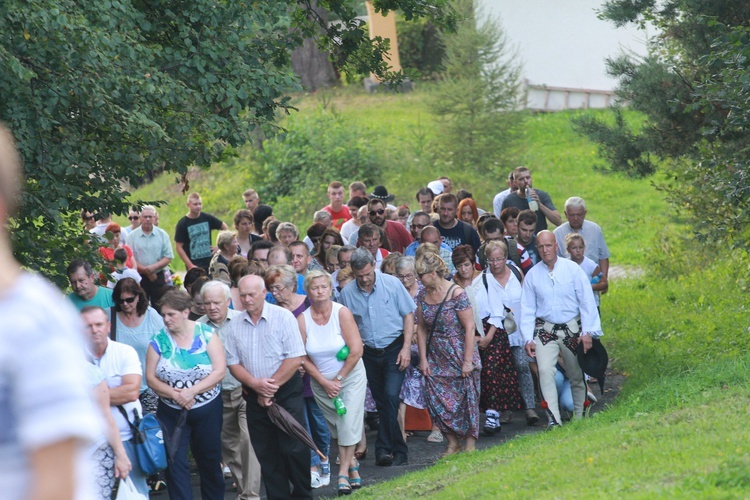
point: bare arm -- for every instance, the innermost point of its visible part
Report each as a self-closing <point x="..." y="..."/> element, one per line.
<point x="122" y="462"/>
<point x="127" y="392"/>
<point x="552" y="215"/>
<point x="161" y="388"/>
<point x="183" y="255"/>
<point x="286" y="370"/>
<point x="466" y="317"/>
<point x="603" y="284"/>
<point x="53" y="470"/>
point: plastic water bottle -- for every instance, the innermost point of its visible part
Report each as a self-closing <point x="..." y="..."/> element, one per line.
<point x="596" y="278"/>
<point x="533" y="205"/>
<point x="343" y="353"/>
<point x="338" y="403"/>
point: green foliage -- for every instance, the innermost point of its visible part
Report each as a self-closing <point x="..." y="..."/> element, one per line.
<point x="296" y="167"/>
<point x="102" y="92"/>
<point x="420" y="48"/>
<point x="693" y="90"/>
<point x="479" y="88"/>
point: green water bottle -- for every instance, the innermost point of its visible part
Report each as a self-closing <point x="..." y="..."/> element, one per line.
<point x="338" y="403"/>
<point x="342" y="354"/>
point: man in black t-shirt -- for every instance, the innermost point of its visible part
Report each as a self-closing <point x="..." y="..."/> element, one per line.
<point x="517" y="198"/>
<point x="453" y="231"/>
<point x="193" y="234"/>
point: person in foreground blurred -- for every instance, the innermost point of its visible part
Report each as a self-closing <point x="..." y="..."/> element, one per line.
<point x="185" y="364"/>
<point x="448" y="355"/>
<point x="42" y="455"/>
<point x="326" y="328"/>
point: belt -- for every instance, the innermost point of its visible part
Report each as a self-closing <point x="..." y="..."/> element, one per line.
<point x="375" y="350"/>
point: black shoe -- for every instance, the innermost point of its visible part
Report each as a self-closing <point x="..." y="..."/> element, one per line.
<point x="400" y="460"/>
<point x="384" y="460"/>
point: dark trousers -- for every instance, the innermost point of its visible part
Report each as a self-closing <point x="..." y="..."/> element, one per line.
<point x="283" y="459"/>
<point x="385" y="381"/>
<point x="202" y="432"/>
<point x="153" y="288"/>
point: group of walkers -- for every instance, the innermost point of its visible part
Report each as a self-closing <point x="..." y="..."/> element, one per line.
<point x="375" y="309"/>
<point x="466" y="314"/>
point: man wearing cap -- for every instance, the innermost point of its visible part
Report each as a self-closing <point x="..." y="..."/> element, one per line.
<point x="398" y="237"/>
<point x="558" y="311"/>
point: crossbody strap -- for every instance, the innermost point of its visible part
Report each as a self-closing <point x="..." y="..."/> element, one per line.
<point x="437" y="314"/>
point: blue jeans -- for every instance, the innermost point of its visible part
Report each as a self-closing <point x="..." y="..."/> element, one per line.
<point x="202" y="433"/>
<point x="564" y="394"/>
<point x="385" y="379"/>
<point x="318" y="429"/>
<point x="136" y="474"/>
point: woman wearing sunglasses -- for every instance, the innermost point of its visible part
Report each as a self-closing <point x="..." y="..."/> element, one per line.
<point x="135" y="323"/>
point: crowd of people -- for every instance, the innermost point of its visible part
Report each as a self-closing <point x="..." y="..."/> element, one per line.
<point x="467" y="315"/>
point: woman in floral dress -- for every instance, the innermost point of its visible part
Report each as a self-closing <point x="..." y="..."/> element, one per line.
<point x="449" y="359"/>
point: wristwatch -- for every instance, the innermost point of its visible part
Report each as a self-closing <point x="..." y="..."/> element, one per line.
<point x="339" y="378"/>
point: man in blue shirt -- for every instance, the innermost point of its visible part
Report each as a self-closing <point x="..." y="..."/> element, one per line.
<point x="384" y="312"/>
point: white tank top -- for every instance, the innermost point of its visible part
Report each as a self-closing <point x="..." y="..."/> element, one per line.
<point x="324" y="341"/>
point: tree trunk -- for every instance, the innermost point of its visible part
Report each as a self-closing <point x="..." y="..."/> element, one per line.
<point x="311" y="64"/>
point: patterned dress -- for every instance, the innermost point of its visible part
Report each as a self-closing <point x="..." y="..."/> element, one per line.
<point x="412" y="390"/>
<point x="500" y="390"/>
<point x="453" y="401"/>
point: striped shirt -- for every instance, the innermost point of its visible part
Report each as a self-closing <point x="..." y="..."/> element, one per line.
<point x="261" y="348"/>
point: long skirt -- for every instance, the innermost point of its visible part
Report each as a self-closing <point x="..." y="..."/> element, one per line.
<point x="500" y="390"/>
<point x="412" y="390"/>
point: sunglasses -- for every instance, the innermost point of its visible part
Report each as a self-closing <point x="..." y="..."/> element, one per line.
<point x="376" y="212"/>
<point x="90" y="217"/>
<point x="129" y="300"/>
<point x="135" y="217"/>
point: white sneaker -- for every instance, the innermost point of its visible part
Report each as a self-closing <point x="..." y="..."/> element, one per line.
<point x="491" y="422"/>
<point x="227" y="472"/>
<point x="315" y="480"/>
<point x="591" y="396"/>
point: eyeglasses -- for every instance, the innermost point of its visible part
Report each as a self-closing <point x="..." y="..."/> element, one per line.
<point x="135" y="217"/>
<point x="373" y="213"/>
<point x="495" y="261"/>
<point x="276" y="288"/>
<point x="405" y="276"/>
<point x="129" y="300"/>
<point x="419" y="226"/>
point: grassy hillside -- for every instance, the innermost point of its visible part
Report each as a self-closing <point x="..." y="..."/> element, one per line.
<point x="630" y="211"/>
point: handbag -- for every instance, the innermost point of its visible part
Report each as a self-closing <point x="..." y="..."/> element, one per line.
<point x="126" y="490"/>
<point x="150" y="443"/>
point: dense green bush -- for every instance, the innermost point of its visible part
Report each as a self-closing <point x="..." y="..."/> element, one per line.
<point x="295" y="167"/>
<point x="420" y="49"/>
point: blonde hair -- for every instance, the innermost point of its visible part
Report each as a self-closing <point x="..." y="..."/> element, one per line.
<point x="194" y="196"/>
<point x="430" y="262"/>
<point x="496" y="245"/>
<point x="573" y="236"/>
<point x="316" y="273"/>
<point x="424" y="248"/>
<point x="224" y="238"/>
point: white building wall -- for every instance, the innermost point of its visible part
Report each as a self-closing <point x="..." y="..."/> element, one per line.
<point x="563" y="47"/>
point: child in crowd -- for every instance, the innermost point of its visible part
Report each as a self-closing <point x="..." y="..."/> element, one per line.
<point x="121" y="270"/>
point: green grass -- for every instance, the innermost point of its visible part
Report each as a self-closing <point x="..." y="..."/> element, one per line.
<point x="631" y="211"/>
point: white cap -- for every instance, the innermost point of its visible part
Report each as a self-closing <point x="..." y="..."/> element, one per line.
<point x="436" y="187"/>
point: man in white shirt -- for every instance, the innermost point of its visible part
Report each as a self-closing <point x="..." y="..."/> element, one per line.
<point x="264" y="352"/>
<point x="121" y="368"/>
<point x="236" y="448"/>
<point x="558" y="310"/>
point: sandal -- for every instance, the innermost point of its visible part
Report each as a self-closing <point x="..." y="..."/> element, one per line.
<point x="360" y="455"/>
<point x="356" y="482"/>
<point x="435" y="437"/>
<point x="344" y="488"/>
<point x="451" y="450"/>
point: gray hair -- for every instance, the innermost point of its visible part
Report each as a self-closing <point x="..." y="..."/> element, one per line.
<point x="360" y="258"/>
<point x="575" y="202"/>
<point x="347" y="248"/>
<point x="405" y="263"/>
<point x="316" y="273"/>
<point x="210" y="285"/>
<point x="287" y="226"/>
<point x="286" y="274"/>
<point x="321" y="215"/>
<point x="149" y="207"/>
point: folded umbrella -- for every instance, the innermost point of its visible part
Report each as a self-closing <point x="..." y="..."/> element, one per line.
<point x="287" y="423"/>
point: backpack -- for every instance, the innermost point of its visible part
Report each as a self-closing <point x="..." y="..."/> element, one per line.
<point x="150" y="442"/>
<point x="513" y="254"/>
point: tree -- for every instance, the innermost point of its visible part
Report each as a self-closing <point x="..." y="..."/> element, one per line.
<point x="102" y="92"/>
<point x="692" y="89"/>
<point x="477" y="94"/>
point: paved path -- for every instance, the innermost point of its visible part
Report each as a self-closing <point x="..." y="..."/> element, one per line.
<point x="423" y="454"/>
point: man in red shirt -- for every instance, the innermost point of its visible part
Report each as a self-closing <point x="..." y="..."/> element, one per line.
<point x="339" y="212"/>
<point x="398" y="237"/>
